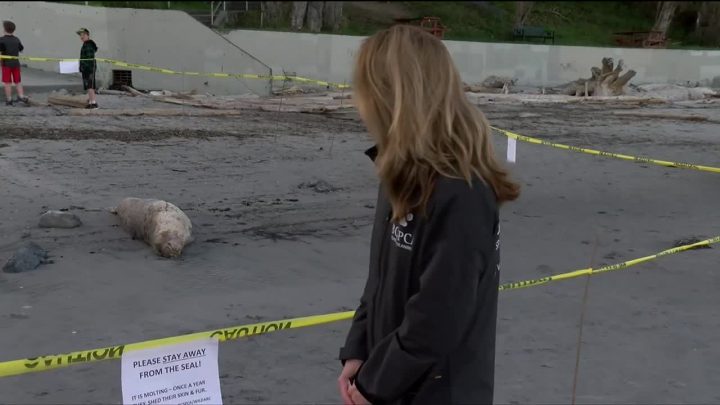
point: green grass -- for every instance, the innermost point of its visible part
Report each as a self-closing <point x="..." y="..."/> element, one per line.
<point x="469" y="22"/>
<point x="591" y="23"/>
<point x="574" y="23"/>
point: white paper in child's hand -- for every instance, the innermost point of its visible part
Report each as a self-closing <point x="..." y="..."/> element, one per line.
<point x="511" y="149"/>
<point x="72" y="66"/>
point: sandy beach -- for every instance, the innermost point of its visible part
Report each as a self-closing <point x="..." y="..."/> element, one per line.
<point x="282" y="206"/>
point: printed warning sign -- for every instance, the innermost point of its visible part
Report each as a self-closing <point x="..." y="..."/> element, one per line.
<point x="181" y="374"/>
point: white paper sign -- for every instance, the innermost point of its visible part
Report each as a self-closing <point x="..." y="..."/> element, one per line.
<point x="185" y="373"/>
<point x="69" y="66"/>
<point x="511" y="149"/>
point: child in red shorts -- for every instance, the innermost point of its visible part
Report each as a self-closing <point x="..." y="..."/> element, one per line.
<point x="10" y="45"/>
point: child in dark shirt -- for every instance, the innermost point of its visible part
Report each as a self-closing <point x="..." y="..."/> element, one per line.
<point x="88" y="66"/>
<point x="11" y="46"/>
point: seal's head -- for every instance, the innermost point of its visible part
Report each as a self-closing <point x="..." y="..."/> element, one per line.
<point x="169" y="244"/>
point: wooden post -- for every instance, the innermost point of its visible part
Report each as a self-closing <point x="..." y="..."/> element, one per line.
<point x="332" y="139"/>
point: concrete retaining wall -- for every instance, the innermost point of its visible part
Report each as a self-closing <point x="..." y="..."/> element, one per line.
<point x="162" y="38"/>
<point x="174" y="40"/>
<point x="330" y="57"/>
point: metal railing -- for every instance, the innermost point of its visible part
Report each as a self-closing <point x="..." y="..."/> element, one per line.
<point x="215" y="7"/>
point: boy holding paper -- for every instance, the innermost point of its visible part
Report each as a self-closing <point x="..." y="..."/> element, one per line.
<point x="88" y="65"/>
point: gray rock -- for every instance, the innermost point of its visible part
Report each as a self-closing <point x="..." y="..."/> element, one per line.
<point x="28" y="257"/>
<point x="320" y="186"/>
<point x="59" y="219"/>
<point x="691" y="240"/>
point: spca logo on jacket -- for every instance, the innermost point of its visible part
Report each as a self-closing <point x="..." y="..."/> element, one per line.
<point x="400" y="235"/>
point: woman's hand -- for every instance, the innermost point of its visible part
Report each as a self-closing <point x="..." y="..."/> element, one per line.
<point x="356" y="396"/>
<point x="349" y="370"/>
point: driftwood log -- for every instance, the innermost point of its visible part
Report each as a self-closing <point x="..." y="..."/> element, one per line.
<point x="492" y="84"/>
<point x="68" y="101"/>
<point x="155" y="112"/>
<point x="605" y="81"/>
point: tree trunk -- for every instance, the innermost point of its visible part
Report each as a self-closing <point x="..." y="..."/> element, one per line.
<point x="298" y="15"/>
<point x="315" y="16"/>
<point x="272" y="13"/>
<point x="707" y="25"/>
<point x="522" y="12"/>
<point x="332" y="15"/>
<point x="664" y="17"/>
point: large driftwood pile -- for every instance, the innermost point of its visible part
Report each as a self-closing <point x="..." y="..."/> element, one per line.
<point x="605" y="81"/>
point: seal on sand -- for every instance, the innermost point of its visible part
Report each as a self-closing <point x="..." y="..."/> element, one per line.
<point x="159" y="223"/>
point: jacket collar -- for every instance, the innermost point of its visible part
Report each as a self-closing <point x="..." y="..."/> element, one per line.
<point x="372" y="152"/>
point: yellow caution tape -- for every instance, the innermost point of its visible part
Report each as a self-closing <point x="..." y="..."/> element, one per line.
<point x="50" y="362"/>
<point x="175" y="72"/>
<point x="44" y="363"/>
<point x="612" y="267"/>
<point x="609" y="154"/>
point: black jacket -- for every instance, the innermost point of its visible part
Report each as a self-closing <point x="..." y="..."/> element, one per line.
<point x="87" y="56"/>
<point x="10" y="45"/>
<point x="425" y="327"/>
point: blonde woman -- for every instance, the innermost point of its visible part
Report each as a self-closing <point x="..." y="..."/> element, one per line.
<point x="424" y="332"/>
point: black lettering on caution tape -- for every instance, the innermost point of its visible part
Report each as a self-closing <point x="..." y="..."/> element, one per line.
<point x="230" y="334"/>
<point x="79" y="357"/>
<point x="612" y="267"/>
<point x="526" y="283"/>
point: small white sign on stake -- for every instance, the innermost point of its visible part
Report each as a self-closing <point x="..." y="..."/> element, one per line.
<point x="72" y="66"/>
<point x="184" y="373"/>
<point x="511" y="149"/>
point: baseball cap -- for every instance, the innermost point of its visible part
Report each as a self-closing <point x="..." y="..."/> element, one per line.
<point x="82" y="30"/>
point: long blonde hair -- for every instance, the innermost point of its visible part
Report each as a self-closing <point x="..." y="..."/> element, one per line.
<point x="409" y="94"/>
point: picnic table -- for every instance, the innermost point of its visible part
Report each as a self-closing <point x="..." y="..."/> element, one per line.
<point x="525" y="33"/>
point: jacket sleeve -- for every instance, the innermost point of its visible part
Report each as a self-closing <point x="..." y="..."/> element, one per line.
<point x="356" y="343"/>
<point x="20" y="46"/>
<point x="439" y="315"/>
